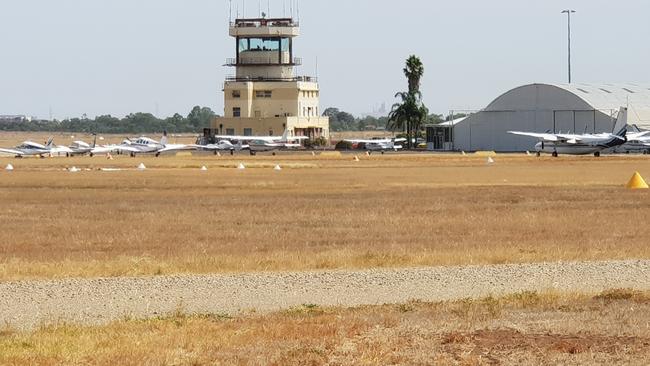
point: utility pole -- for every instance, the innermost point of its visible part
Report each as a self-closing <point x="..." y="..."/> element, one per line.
<point x="568" y="13"/>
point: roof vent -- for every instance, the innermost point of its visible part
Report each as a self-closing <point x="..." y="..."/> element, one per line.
<point x="606" y="91"/>
<point x="584" y="91"/>
<point x="628" y="90"/>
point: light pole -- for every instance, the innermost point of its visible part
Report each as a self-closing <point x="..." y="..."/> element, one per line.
<point x="568" y="13"/>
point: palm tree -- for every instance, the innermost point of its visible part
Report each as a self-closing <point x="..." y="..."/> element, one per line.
<point x="414" y="71"/>
<point x="410" y="112"/>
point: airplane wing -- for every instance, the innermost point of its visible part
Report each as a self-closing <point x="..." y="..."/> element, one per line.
<point x="247" y="138"/>
<point x="541" y="136"/>
<point x="127" y="149"/>
<point x="61" y="149"/>
<point x="11" y="151"/>
<point x="354" y="141"/>
<point x="103" y="149"/>
<point x="176" y="147"/>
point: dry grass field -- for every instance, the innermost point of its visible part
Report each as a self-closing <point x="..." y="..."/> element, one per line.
<point x="320" y="212"/>
<point x="525" y="328"/>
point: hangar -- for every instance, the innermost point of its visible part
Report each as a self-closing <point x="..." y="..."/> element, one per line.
<point x="575" y="108"/>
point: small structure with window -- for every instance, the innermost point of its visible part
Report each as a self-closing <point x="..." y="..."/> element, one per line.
<point x="440" y="137"/>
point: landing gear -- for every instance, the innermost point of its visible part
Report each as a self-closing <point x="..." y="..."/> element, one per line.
<point x="597" y="154"/>
<point x="253" y="153"/>
<point x="554" y="154"/>
<point x="383" y="152"/>
<point x="133" y="155"/>
<point x="91" y="155"/>
<point x="157" y="154"/>
<point x="67" y="155"/>
<point x="216" y="152"/>
<point x="538" y="154"/>
<point x="232" y="152"/>
<point x="273" y="153"/>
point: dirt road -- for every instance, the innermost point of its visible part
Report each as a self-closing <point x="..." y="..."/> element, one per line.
<point x="25" y="305"/>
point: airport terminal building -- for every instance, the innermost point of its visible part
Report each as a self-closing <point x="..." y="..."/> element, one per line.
<point x="574" y="108"/>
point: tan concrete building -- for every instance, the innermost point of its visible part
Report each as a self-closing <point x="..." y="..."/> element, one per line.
<point x="265" y="96"/>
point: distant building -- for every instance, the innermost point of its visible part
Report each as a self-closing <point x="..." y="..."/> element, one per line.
<point x="556" y="108"/>
<point x="14" y="119"/>
<point x="265" y="96"/>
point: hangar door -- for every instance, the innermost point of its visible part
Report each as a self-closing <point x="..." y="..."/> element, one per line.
<point x="577" y="122"/>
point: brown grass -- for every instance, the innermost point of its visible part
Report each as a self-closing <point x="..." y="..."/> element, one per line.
<point x="318" y="213"/>
<point x="527" y="328"/>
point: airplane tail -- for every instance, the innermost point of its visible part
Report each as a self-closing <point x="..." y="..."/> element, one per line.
<point x="620" y="128"/>
<point x="50" y="142"/>
<point x="163" y="139"/>
<point x="94" y="141"/>
<point x="285" y="135"/>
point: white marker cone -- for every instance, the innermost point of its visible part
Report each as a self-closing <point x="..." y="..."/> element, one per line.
<point x="74" y="170"/>
<point x="313" y="153"/>
<point x="463" y="153"/>
<point x="204" y="169"/>
<point x="277" y="168"/>
<point x="241" y="166"/>
<point x="490" y="160"/>
<point x="367" y="153"/>
<point x="356" y="158"/>
<point x="9" y="168"/>
<point x="109" y="156"/>
<point x="219" y="154"/>
<point x="141" y="167"/>
<point x="528" y="153"/>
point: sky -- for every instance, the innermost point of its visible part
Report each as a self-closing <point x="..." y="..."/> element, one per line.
<point x="96" y="57"/>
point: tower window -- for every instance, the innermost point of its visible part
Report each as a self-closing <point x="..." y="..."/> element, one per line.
<point x="236" y="112"/>
<point x="236" y="94"/>
<point x="264" y="94"/>
<point x="248" y="132"/>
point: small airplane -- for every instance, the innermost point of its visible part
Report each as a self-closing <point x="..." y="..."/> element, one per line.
<point x="638" y="141"/>
<point x="223" y="145"/>
<point x="30" y="148"/>
<point x="146" y="145"/>
<point x="572" y="144"/>
<point x="382" y="145"/>
<point x="83" y="148"/>
<point x="267" y="143"/>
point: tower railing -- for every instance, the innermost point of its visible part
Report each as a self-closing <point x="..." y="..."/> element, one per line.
<point x="231" y="61"/>
<point x="306" y="79"/>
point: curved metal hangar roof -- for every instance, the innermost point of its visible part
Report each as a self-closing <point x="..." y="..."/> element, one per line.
<point x="607" y="98"/>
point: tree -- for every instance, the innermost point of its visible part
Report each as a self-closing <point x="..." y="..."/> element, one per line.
<point x="409" y="114"/>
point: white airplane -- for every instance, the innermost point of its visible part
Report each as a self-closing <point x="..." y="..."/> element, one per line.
<point x="145" y="145"/>
<point x="636" y="142"/>
<point x="83" y="148"/>
<point x="580" y="144"/>
<point x="223" y="145"/>
<point x="267" y="143"/>
<point x="382" y="145"/>
<point x="30" y="148"/>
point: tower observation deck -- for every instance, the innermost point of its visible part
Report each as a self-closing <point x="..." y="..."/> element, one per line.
<point x="265" y="96"/>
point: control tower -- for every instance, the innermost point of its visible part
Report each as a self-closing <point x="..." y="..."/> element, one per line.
<point x="265" y="97"/>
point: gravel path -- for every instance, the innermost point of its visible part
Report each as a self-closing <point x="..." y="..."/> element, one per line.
<point x="25" y="305"/>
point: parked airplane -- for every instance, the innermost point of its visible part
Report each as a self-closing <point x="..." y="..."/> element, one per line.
<point x="83" y="148"/>
<point x="267" y="143"/>
<point x="30" y="148"/>
<point x="223" y="145"/>
<point x="638" y="141"/>
<point x="580" y="144"/>
<point x="145" y="145"/>
<point x="382" y="145"/>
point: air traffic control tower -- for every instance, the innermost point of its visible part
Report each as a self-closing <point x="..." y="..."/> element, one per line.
<point x="265" y="96"/>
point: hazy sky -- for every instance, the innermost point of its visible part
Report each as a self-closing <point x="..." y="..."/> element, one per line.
<point x="165" y="56"/>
